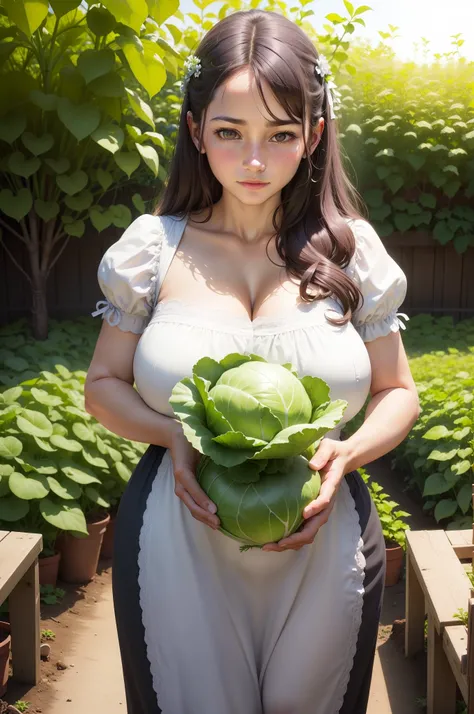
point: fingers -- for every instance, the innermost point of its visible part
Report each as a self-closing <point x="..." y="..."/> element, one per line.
<point x="304" y="536"/>
<point x="193" y="496"/>
<point x="196" y="511"/>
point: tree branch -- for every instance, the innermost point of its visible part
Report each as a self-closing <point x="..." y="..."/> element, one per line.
<point x="56" y="258"/>
<point x="15" y="261"/>
<point x="12" y="230"/>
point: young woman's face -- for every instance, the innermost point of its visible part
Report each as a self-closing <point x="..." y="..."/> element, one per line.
<point x="243" y="147"/>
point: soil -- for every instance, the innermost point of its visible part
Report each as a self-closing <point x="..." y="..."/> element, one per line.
<point x="66" y="619"/>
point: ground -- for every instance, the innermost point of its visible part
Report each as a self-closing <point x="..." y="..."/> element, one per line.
<point x="84" y="672"/>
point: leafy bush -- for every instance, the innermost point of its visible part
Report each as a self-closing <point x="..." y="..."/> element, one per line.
<point x="391" y="518"/>
<point x="57" y="464"/>
<point x="438" y="452"/>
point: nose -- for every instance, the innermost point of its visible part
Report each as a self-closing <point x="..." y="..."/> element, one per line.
<point x="255" y="163"/>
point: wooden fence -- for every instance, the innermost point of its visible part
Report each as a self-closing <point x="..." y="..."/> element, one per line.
<point x="440" y="281"/>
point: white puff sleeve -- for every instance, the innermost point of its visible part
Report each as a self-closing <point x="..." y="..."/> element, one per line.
<point x="127" y="275"/>
<point x="382" y="282"/>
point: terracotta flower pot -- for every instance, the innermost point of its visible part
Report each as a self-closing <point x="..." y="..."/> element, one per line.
<point x="108" y="541"/>
<point x="5" y="646"/>
<point x="80" y="556"/>
<point x="48" y="569"/>
<point x="395" y="554"/>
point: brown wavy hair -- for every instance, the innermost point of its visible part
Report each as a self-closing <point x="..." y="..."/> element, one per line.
<point x="313" y="237"/>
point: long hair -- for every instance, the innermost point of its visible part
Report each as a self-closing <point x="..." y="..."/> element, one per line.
<point x="313" y="237"/>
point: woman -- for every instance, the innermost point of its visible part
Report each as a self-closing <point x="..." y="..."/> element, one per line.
<point x="290" y="271"/>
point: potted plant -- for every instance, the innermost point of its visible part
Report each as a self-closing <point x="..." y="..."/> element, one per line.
<point x="393" y="527"/>
<point x="48" y="560"/>
<point x="5" y="647"/>
<point x="79" y="552"/>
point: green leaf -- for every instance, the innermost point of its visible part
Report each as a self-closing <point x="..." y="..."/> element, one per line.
<point x="435" y="484"/>
<point x="141" y="108"/>
<point x="96" y="461"/>
<point x="428" y="200"/>
<point x="149" y="156"/>
<point x="10" y="447"/>
<point x="79" y="474"/>
<point x="59" y="166"/>
<point x="104" y="178"/>
<point x="139" y="203"/>
<point x="12" y="126"/>
<point x="80" y="202"/>
<point x="291" y="441"/>
<point x="37" y="144"/>
<point x="445" y="509"/>
<point x="67" y="444"/>
<point x="464" y="497"/>
<point x="128" y="161"/>
<point x="26" y="14"/>
<point x="132" y="13"/>
<point x="13" y="509"/>
<point x="437" y="432"/>
<point x="34" y="423"/>
<point x="110" y="137"/>
<point x="80" y="119"/>
<point x="22" y="166"/>
<point x="145" y="63"/>
<point x="46" y="102"/>
<point x="46" y="210"/>
<point x="72" y="183"/>
<point x="16" y="206"/>
<point x="100" y="21"/>
<point x="28" y="487"/>
<point x="120" y="215"/>
<point x="95" y="63"/>
<point x="123" y="471"/>
<point x="442" y="454"/>
<point x="83" y="432"/>
<point x="461" y="467"/>
<point x="62" y="7"/>
<point x="100" y="219"/>
<point x="64" y="516"/>
<point x="67" y="489"/>
<point x="76" y="228"/>
<point x="94" y="495"/>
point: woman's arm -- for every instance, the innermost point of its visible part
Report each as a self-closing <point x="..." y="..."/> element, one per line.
<point x="111" y="398"/>
<point x="394" y="406"/>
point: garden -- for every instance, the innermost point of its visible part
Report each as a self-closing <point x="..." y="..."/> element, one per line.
<point x="90" y="105"/>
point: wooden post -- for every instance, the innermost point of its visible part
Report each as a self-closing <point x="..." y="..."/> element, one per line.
<point x="24" y="606"/>
<point x="473" y="525"/>
<point x="441" y="694"/>
<point x="470" y="655"/>
<point x="415" y="611"/>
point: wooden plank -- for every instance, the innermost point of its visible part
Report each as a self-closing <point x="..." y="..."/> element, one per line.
<point x="455" y="647"/>
<point x="441" y="684"/>
<point x="24" y="607"/>
<point x="440" y="574"/>
<point x="461" y="542"/>
<point x="470" y="655"/>
<point x="415" y="611"/>
<point x="18" y="551"/>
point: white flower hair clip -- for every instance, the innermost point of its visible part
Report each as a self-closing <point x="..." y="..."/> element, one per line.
<point x="322" y="68"/>
<point x="193" y="68"/>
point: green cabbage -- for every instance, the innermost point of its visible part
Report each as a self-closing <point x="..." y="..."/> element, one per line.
<point x="244" y="408"/>
<point x="260" y="502"/>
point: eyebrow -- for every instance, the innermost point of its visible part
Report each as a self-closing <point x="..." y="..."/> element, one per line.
<point x="273" y="122"/>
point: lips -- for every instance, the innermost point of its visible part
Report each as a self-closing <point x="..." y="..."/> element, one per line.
<point x="255" y="183"/>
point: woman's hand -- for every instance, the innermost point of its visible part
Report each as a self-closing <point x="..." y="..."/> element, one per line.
<point x="331" y="460"/>
<point x="185" y="460"/>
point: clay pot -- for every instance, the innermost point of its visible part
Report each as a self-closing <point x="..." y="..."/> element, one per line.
<point x="48" y="569"/>
<point x="5" y="646"/>
<point x="108" y="541"/>
<point x="394" y="554"/>
<point x="80" y="556"/>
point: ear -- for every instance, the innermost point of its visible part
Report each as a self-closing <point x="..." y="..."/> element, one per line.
<point x="316" y="135"/>
<point x="193" y="130"/>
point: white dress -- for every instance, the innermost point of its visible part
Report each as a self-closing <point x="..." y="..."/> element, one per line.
<point x="226" y="632"/>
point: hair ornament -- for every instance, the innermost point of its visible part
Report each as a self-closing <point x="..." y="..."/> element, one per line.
<point x="193" y="68"/>
<point x="323" y="69"/>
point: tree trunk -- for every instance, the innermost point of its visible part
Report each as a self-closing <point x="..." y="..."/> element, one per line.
<point x="39" y="313"/>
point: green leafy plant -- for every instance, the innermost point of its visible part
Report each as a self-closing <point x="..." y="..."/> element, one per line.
<point x="48" y="635"/>
<point x="22" y="705"/>
<point x="75" y="121"/>
<point x="58" y="465"/>
<point x="391" y="517"/>
<point x="49" y="595"/>
<point x="262" y="501"/>
<point x="462" y="616"/>
<point x="244" y="408"/>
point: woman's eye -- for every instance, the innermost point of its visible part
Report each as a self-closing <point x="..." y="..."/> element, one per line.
<point x="290" y="134"/>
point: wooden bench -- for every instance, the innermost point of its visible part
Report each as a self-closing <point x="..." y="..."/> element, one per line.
<point x="19" y="581"/>
<point x="437" y="585"/>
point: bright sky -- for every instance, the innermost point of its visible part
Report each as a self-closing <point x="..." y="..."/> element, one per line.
<point x="435" y="20"/>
